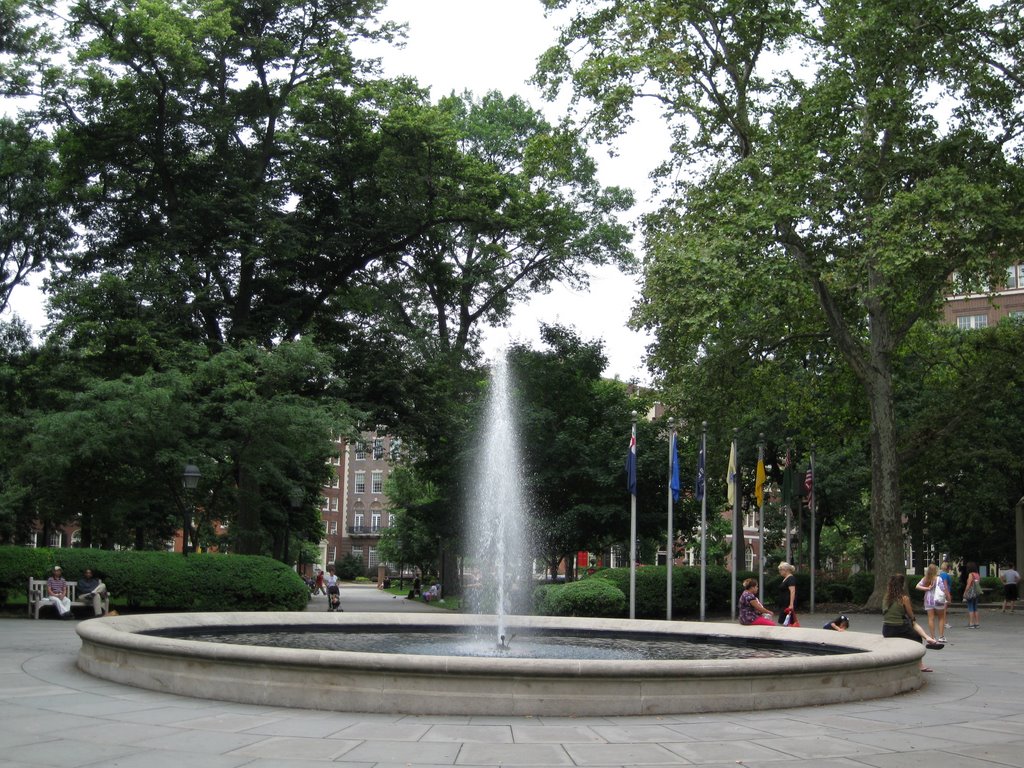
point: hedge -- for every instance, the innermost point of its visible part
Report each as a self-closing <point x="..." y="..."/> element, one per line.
<point x="590" y="597"/>
<point x="651" y="582"/>
<point x="165" y="581"/>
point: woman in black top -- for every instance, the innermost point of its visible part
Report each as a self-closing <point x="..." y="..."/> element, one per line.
<point x="787" y="592"/>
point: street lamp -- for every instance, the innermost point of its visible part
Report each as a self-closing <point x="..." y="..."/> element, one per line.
<point x="189" y="480"/>
<point x="295" y="499"/>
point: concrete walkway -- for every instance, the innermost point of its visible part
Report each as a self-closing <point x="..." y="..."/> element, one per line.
<point x="970" y="714"/>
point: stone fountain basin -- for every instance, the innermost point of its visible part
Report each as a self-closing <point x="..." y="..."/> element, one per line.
<point x="113" y="649"/>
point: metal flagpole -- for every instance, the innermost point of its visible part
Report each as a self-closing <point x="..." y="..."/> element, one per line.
<point x="632" y="533"/>
<point x="668" y="540"/>
<point x="737" y="530"/>
<point x="702" y="487"/>
<point x="789" y="501"/>
<point x="760" y="511"/>
<point x="814" y="537"/>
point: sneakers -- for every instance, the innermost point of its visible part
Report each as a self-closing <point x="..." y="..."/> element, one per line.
<point x="942" y="639"/>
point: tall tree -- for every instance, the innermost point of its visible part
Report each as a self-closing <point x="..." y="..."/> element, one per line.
<point x="840" y="183"/>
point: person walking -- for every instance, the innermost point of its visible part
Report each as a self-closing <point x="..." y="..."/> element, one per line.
<point x="946" y="574"/>
<point x="972" y="592"/>
<point x="786" y="600"/>
<point x="935" y="600"/>
<point x="1011" y="588"/>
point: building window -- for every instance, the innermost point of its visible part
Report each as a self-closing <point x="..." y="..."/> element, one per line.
<point x="360" y="482"/>
<point x="326" y="504"/>
<point x="56" y="537"/>
<point x="334" y="528"/>
<point x="1015" y="276"/>
<point x="391" y="520"/>
<point x="375" y="521"/>
<point x="335" y="480"/>
<point x="33" y="539"/>
<point x="750" y="519"/>
<point x="378" y="448"/>
<point x="332" y="554"/>
<point x="358" y="552"/>
<point x="377" y="482"/>
<point x="372" y="563"/>
<point x="360" y="451"/>
<point x="970" y="322"/>
<point x="334" y="504"/>
<point x="358" y="520"/>
<point x="748" y="559"/>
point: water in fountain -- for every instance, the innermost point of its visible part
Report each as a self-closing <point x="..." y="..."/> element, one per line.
<point x="497" y="522"/>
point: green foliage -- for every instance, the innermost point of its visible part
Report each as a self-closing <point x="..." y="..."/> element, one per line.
<point x="589" y="597"/>
<point x="651" y="582"/>
<point x="862" y="584"/>
<point x="349" y="567"/>
<point x="543" y="597"/>
<point x="166" y="581"/>
<point x="836" y="592"/>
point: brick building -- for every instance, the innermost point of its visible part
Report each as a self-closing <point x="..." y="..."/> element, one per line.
<point x="980" y="310"/>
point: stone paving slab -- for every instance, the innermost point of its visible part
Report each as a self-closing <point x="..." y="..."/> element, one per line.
<point x="970" y="714"/>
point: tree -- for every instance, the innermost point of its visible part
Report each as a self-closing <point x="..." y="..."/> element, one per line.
<point x="409" y="540"/>
<point x="838" y="192"/>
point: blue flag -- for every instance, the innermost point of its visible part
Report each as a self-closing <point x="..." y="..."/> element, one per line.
<point x="700" y="472"/>
<point x="631" y="463"/>
<point x="674" y="469"/>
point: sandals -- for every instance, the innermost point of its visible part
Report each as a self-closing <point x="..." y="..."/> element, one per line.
<point x="934" y="646"/>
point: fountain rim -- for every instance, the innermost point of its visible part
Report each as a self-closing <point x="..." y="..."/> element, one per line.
<point x="122" y="632"/>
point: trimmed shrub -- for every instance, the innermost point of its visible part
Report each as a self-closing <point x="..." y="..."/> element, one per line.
<point x="650" y="589"/>
<point x="835" y="592"/>
<point x="542" y="599"/>
<point x="349" y="568"/>
<point x="167" y="581"/>
<point x="861" y="584"/>
<point x="590" y="597"/>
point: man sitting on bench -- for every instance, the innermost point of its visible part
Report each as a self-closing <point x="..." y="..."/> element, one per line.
<point x="91" y="588"/>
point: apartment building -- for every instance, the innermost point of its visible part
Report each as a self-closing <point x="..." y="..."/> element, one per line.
<point x="980" y="310"/>
<point x="355" y="509"/>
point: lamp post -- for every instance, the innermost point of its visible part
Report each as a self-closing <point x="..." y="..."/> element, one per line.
<point x="189" y="480"/>
<point x="295" y="498"/>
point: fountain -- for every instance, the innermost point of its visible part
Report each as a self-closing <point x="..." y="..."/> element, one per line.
<point x="161" y="652"/>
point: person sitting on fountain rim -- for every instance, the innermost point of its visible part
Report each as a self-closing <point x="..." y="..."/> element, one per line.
<point x="898" y="616"/>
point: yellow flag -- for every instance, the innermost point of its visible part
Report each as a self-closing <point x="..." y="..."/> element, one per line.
<point x="759" y="482"/>
<point x="732" y="475"/>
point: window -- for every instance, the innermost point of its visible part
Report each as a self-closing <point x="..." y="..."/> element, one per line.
<point x="33" y="539"/>
<point x="360" y="451"/>
<point x="358" y="520"/>
<point x="970" y="322"/>
<point x="377" y="481"/>
<point x="360" y="483"/>
<point x="326" y="504"/>
<point x="750" y="518"/>
<point x="332" y="554"/>
<point x="375" y="521"/>
<point x="56" y="537"/>
<point x="378" y="448"/>
<point x="334" y="528"/>
<point x="357" y="552"/>
<point x="1013" y="277"/>
<point x="334" y="504"/>
<point x="335" y="481"/>
<point x="391" y="520"/>
<point x="372" y="563"/>
<point x="748" y="559"/>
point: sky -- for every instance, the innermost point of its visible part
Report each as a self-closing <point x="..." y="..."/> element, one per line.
<point x="483" y="45"/>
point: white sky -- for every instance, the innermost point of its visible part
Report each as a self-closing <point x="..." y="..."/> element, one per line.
<point x="483" y="45"/>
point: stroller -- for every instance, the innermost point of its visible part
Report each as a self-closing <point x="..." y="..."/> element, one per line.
<point x="334" y="598"/>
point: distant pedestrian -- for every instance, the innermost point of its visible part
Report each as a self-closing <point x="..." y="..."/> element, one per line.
<point x="318" y="583"/>
<point x="946" y="574"/>
<point x="786" y="600"/>
<point x="1011" y="582"/>
<point x="935" y="599"/>
<point x="972" y="593"/>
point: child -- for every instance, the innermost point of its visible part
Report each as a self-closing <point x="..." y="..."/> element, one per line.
<point x="839" y="624"/>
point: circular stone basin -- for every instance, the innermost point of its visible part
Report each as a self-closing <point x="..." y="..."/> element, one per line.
<point x="836" y="667"/>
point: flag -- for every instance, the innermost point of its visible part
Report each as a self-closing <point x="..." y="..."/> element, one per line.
<point x="631" y="463"/>
<point x="674" y="468"/>
<point x="787" y="482"/>
<point x="700" y="472"/>
<point x="759" y="481"/>
<point x="809" y="483"/>
<point x="732" y="475"/>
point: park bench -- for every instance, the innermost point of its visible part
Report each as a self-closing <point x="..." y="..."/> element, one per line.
<point x="37" y="598"/>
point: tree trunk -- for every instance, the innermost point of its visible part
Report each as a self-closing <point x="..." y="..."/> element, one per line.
<point x="886" y="516"/>
<point x="248" y="538"/>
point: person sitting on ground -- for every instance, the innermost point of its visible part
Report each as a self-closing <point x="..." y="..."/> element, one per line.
<point x="57" y="593"/>
<point x="91" y="588"/>
<point x="898" y="616"/>
<point x="751" y="611"/>
<point x="839" y="624"/>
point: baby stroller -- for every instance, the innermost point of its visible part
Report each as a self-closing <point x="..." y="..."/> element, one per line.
<point x="334" y="598"/>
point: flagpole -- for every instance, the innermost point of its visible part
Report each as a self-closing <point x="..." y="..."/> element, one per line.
<point x="737" y="531"/>
<point x="702" y="481"/>
<point x="632" y="539"/>
<point x="668" y="540"/>
<point x="760" y="511"/>
<point x="789" y="501"/>
<point x="814" y="545"/>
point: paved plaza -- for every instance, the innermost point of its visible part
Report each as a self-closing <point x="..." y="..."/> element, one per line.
<point x="969" y="715"/>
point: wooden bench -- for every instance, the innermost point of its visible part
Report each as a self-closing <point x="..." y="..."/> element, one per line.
<point x="37" y="598"/>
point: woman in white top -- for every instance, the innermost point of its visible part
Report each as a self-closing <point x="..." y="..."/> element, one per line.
<point x="936" y="597"/>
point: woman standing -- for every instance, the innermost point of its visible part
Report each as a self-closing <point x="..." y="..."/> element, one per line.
<point x="972" y="591"/>
<point x="935" y="599"/>
<point x="898" y="616"/>
<point x="787" y="593"/>
<point x="751" y="610"/>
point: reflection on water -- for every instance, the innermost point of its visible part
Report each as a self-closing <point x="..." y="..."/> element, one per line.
<point x="529" y="646"/>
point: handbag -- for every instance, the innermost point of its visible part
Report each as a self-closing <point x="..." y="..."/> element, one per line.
<point x="940" y="595"/>
<point x="971" y="593"/>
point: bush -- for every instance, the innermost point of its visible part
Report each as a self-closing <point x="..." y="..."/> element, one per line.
<point x="349" y="568"/>
<point x="651" y="583"/>
<point x="590" y="597"/>
<point x="167" y="581"/>
<point x="861" y="584"/>
<point x="542" y="599"/>
<point x="835" y="592"/>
